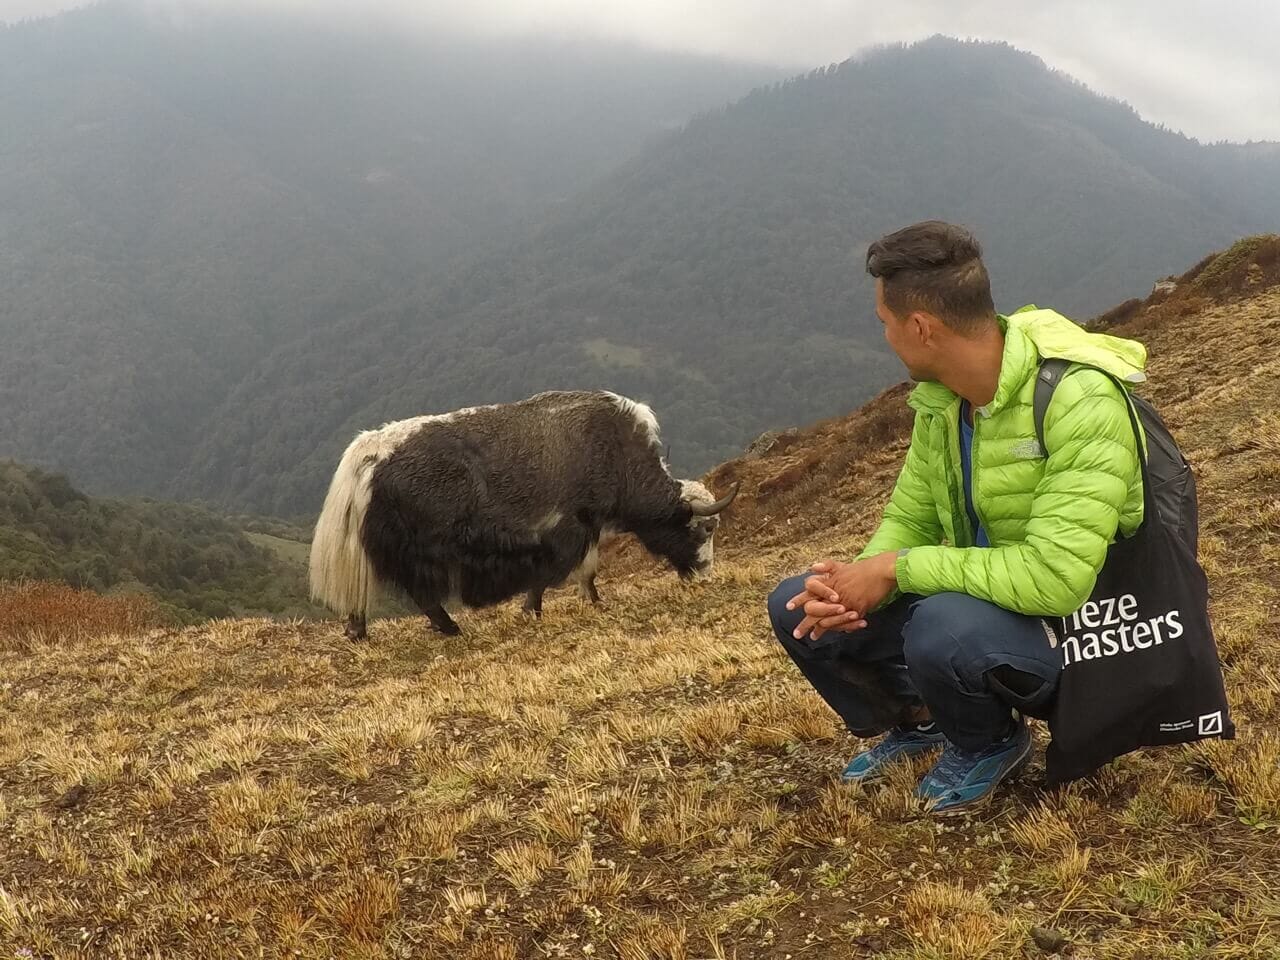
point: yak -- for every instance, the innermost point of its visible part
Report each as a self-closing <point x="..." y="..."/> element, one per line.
<point x="484" y="503"/>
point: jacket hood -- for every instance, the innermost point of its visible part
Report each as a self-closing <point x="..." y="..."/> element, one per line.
<point x="1056" y="336"/>
<point x="1032" y="334"/>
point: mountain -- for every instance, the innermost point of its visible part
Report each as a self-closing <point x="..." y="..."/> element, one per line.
<point x="652" y="778"/>
<point x="718" y="275"/>
<point x="194" y="563"/>
<point x="183" y="193"/>
<point x="234" y="244"/>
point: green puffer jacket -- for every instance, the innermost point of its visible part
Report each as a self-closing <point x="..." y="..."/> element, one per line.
<point x="1049" y="519"/>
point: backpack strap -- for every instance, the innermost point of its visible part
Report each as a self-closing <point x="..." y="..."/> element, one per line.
<point x="1050" y="374"/>
<point x="1047" y="380"/>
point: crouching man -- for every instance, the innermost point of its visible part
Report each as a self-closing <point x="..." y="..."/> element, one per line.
<point x="936" y="634"/>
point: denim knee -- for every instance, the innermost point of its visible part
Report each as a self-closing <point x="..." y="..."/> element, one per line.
<point x="957" y="642"/>
<point x="785" y="621"/>
<point x="930" y="640"/>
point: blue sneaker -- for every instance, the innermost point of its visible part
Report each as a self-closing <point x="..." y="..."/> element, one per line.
<point x="962" y="780"/>
<point x="900" y="743"/>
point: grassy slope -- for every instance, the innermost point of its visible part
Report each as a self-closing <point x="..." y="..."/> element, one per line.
<point x="293" y="552"/>
<point x="650" y="780"/>
<point x="195" y="563"/>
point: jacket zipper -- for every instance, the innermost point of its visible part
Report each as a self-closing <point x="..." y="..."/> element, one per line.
<point x="958" y="511"/>
<point x="973" y="478"/>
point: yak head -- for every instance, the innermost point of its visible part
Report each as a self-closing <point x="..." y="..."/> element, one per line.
<point x="686" y="537"/>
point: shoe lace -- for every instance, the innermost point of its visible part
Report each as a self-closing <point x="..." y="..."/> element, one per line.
<point x="954" y="763"/>
<point x="882" y="749"/>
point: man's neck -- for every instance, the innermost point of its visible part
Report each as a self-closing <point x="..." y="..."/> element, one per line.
<point x="975" y="370"/>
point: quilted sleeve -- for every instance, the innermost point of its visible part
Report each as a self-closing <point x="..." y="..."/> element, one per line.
<point x="910" y="517"/>
<point x="1092" y="461"/>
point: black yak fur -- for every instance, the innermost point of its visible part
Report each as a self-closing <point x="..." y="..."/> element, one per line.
<point x="488" y="503"/>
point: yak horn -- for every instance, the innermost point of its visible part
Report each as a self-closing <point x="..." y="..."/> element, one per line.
<point x="711" y="509"/>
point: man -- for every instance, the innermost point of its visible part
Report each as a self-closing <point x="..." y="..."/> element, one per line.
<point x="935" y="635"/>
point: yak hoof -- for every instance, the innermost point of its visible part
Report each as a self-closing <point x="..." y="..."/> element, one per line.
<point x="449" y="629"/>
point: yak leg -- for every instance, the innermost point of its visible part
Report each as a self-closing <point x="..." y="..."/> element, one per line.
<point x="440" y="619"/>
<point x="425" y="595"/>
<point x="586" y="573"/>
<point x="566" y="541"/>
<point x="436" y="614"/>
<point x="356" y="628"/>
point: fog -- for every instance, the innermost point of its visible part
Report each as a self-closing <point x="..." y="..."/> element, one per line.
<point x="1205" y="69"/>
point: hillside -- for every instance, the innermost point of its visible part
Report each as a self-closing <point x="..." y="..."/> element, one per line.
<point x="185" y="192"/>
<point x="718" y="274"/>
<point x="230" y="241"/>
<point x="194" y="562"/>
<point x="650" y="780"/>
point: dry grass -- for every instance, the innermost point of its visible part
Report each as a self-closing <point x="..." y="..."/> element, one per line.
<point x="647" y="780"/>
<point x="951" y="923"/>
<point x="35" y="614"/>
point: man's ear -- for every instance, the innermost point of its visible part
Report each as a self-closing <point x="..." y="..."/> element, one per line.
<point x="922" y="325"/>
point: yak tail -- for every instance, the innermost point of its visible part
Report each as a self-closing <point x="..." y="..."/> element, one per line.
<point x="341" y="574"/>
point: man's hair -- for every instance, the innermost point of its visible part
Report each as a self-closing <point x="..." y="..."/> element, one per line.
<point x="934" y="266"/>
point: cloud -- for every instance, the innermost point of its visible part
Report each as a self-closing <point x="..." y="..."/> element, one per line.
<point x="1207" y="69"/>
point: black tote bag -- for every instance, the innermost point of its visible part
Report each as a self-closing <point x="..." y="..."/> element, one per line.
<point x="1140" y="665"/>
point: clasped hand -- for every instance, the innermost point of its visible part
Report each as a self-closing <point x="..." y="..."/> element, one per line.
<point x="838" y="596"/>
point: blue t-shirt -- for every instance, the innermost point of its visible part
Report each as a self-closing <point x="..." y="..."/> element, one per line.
<point x="966" y="464"/>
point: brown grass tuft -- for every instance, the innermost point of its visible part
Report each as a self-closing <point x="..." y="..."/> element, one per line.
<point x="361" y="906"/>
<point x="1044" y="829"/>
<point x="952" y="922"/>
<point x="796" y="716"/>
<point x="706" y="729"/>
<point x="562" y="812"/>
<point x="1251" y="771"/>
<point x="1072" y="866"/>
<point x="523" y="863"/>
<point x="40" y="613"/>
<point x="656" y="940"/>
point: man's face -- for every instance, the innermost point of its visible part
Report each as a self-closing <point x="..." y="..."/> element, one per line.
<point x="908" y="336"/>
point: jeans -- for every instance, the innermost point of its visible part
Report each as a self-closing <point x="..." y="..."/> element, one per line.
<point x="969" y="662"/>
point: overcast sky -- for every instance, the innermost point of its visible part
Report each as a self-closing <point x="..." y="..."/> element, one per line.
<point x="1208" y="69"/>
